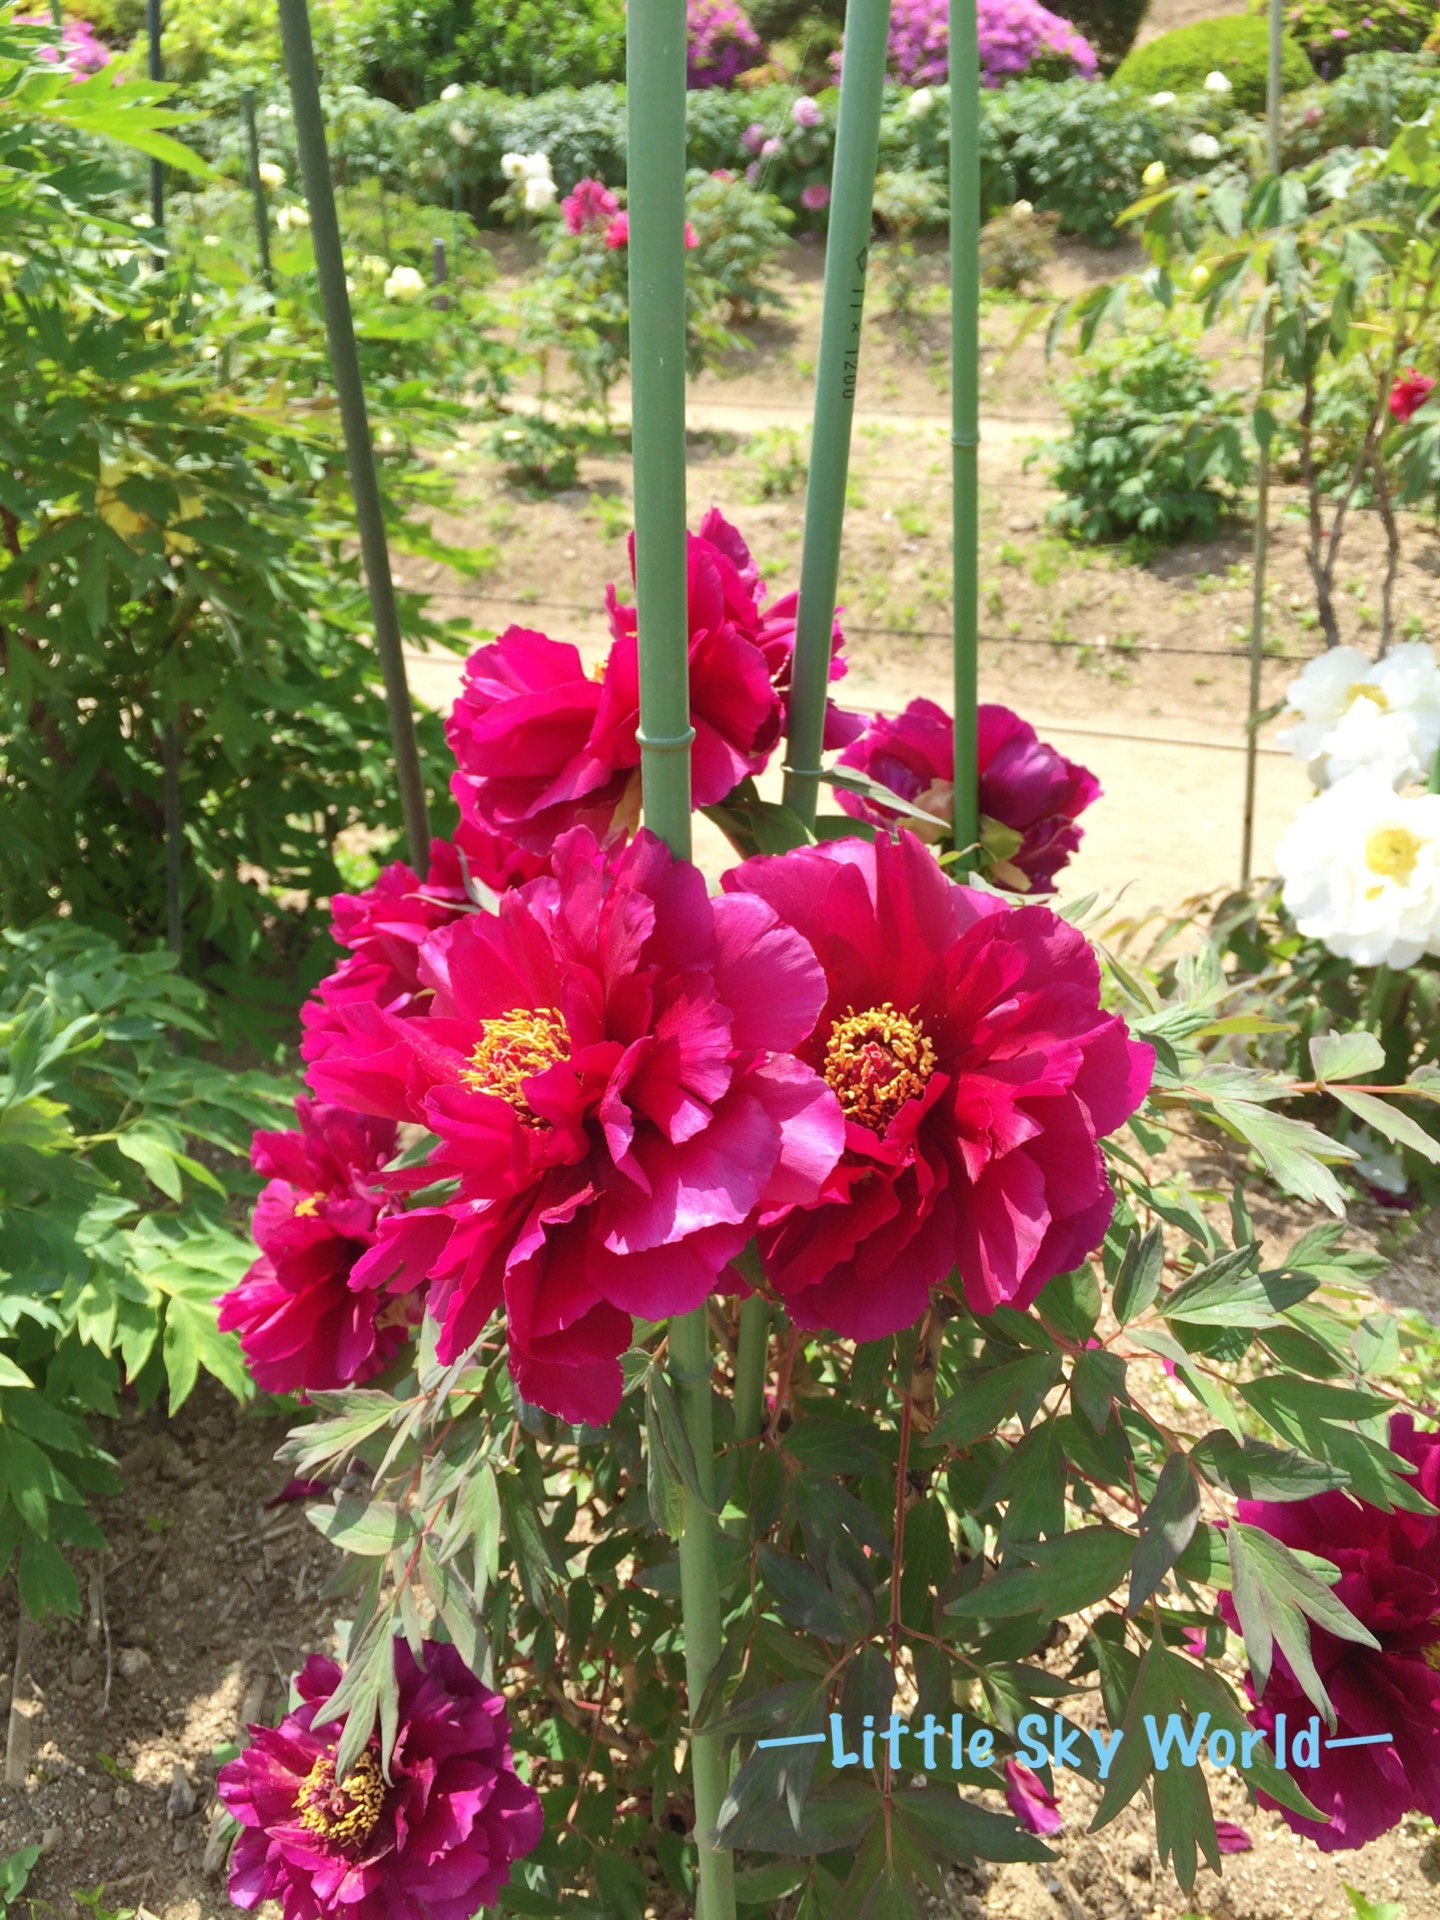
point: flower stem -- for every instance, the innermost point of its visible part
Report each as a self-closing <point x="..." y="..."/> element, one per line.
<point x="700" y="1603"/>
<point x="750" y="1366"/>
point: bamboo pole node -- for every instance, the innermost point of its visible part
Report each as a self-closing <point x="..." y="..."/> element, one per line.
<point x="666" y="743"/>
<point x="686" y="1378"/>
<point x="965" y="439"/>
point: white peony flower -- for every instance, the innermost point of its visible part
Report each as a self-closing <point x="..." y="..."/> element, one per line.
<point x="460" y="133"/>
<point x="272" y="177"/>
<point x="1023" y="210"/>
<point x="536" y="166"/>
<point x="1204" y="146"/>
<point x="210" y="240"/>
<point x="404" y="283"/>
<point x="539" y="193"/>
<point x="920" y="101"/>
<point x="1352" y="712"/>
<point x="1154" y="174"/>
<point x="1361" y="867"/>
<point x="452" y="92"/>
<point x="1215" y="82"/>
<point x="289" y="218"/>
<point x="1162" y="99"/>
<point x="512" y="165"/>
<point x="141" y="220"/>
<point x="375" y="264"/>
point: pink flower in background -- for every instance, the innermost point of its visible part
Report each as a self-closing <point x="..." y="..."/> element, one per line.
<point x="79" y="49"/>
<point x="806" y="111"/>
<point x="815" y="196"/>
<point x="722" y="44"/>
<point x="753" y="138"/>
<point x="1031" y="1801"/>
<point x="1390" y="1580"/>
<point x="977" y="1071"/>
<point x="617" y="234"/>
<point x="590" y="204"/>
<point x="305" y="1326"/>
<point x="607" y="1062"/>
<point x="1409" y="394"/>
<point x="1025" y="785"/>
<point x="436" y="1841"/>
<point x="1012" y="33"/>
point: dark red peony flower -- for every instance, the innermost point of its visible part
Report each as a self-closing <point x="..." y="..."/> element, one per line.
<point x="607" y="1063"/>
<point x="436" y="1841"/>
<point x="1390" y="1580"/>
<point x="1409" y="394"/>
<point x="1025" y="785"/>
<point x="590" y="204"/>
<point x="967" y="1046"/>
<point x="305" y="1324"/>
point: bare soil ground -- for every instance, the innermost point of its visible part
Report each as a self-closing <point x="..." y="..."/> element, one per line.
<point x="209" y="1597"/>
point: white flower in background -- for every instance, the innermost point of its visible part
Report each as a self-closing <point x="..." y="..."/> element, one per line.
<point x="1379" y="1165"/>
<point x="512" y="165"/>
<point x="1361" y="867"/>
<point x="920" y="101"/>
<point x="460" y="133"/>
<point x="289" y="218"/>
<point x="1162" y="99"/>
<point x="275" y="111"/>
<point x="1352" y="712"/>
<point x="1154" y="175"/>
<point x="452" y="92"/>
<point x="535" y="166"/>
<point x="210" y="240"/>
<point x="272" y="177"/>
<point x="1204" y="146"/>
<point x="404" y="283"/>
<point x="141" y="220"/>
<point x="1215" y="82"/>
<point x="539" y="193"/>
<point x="1023" y="210"/>
<point x="375" y="264"/>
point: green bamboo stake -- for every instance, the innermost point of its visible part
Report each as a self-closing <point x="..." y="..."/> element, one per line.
<point x="359" y="450"/>
<point x="655" y="57"/>
<point x="965" y="405"/>
<point x="847" y="255"/>
<point x="257" y="187"/>
<point x="1262" y="488"/>
<point x="751" y="1353"/>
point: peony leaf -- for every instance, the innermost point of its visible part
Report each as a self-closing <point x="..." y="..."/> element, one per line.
<point x="986" y="1397"/>
<point x="1390" y="1121"/>
<point x="1075" y="1571"/>
<point x="1138" y="1280"/>
<point x="1254" y="1470"/>
<point x="1276" y="1592"/>
<point x="1166" y="1528"/>
<point x="1340" y="1056"/>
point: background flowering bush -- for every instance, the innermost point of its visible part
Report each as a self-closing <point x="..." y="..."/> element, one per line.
<point x="1016" y="37"/>
<point x="722" y="43"/>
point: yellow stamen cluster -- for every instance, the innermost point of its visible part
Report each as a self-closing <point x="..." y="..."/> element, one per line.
<point x="514" y="1047"/>
<point x="1367" y="690"/>
<point x="876" y="1061"/>
<point x="343" y="1812"/>
<point x="306" y="1208"/>
<point x="1393" y="851"/>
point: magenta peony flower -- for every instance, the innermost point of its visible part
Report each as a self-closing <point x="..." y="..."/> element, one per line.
<point x="305" y="1324"/>
<point x="1030" y="1800"/>
<point x="753" y="137"/>
<point x="434" y="1842"/>
<point x="607" y="1064"/>
<point x="1409" y="394"/>
<point x="590" y="204"/>
<point x="617" y="234"/>
<point x="967" y="1046"/>
<point x="1390" y="1580"/>
<point x="1024" y="784"/>
<point x="814" y="197"/>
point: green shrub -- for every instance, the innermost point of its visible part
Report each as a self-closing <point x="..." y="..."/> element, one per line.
<point x="739" y="234"/>
<point x="113" y="1235"/>
<point x="1153" y="449"/>
<point x="1109" y="25"/>
<point x="1017" y="249"/>
<point x="1076" y="149"/>
<point x="1373" y="95"/>
<point x="1236" y="46"/>
<point x="410" y="49"/>
<point x="1334" y="32"/>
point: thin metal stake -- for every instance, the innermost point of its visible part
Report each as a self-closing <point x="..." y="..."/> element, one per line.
<point x="360" y="452"/>
<point x="1262" y="485"/>
<point x="439" y="272"/>
<point x="257" y="188"/>
<point x="965" y="404"/>
<point x="847" y="255"/>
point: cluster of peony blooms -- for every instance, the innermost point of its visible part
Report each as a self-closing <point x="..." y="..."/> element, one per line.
<point x="881" y="1077"/>
<point x="590" y="208"/>
<point x="1361" y="862"/>
<point x="1390" y="1580"/>
<point x="434" y="1838"/>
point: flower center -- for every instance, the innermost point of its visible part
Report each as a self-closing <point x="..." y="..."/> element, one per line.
<point x="876" y="1061"/>
<point x="514" y="1047"/>
<point x="344" y="1811"/>
<point x="1393" y="851"/>
<point x="1367" y="690"/>
<point x="308" y="1206"/>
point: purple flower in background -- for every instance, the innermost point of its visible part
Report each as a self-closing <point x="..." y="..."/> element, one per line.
<point x="722" y="43"/>
<point x="435" y="1841"/>
<point x="1013" y="34"/>
<point x="813" y="198"/>
<point x="753" y="138"/>
<point x="805" y="112"/>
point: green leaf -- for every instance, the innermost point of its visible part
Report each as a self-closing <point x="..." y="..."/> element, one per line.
<point x="1276" y="1591"/>
<point x="943" y="1819"/>
<point x="986" y="1397"/>
<point x="1340" y="1056"/>
<point x="13" y="1376"/>
<point x="1166" y="1528"/>
<point x="1097" y="1382"/>
<point x="1293" y="1151"/>
<point x="370" y="1528"/>
<point x="1390" y="1121"/>
<point x="1138" y="1280"/>
<point x="1075" y="1571"/>
<point x="14" y="1872"/>
<point x="1253" y="1470"/>
<point x="674" y="1477"/>
<point x="829" y="1820"/>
